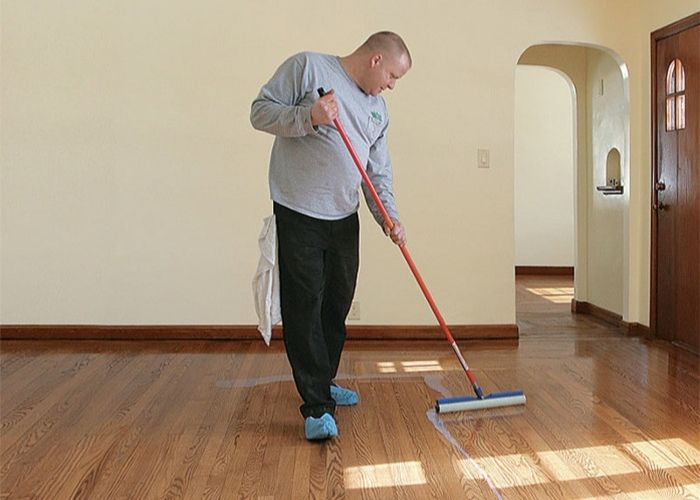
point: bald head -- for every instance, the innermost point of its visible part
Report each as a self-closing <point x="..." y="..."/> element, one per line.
<point x="378" y="63"/>
<point x="388" y="43"/>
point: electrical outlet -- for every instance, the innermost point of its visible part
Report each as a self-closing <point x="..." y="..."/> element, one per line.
<point x="354" y="313"/>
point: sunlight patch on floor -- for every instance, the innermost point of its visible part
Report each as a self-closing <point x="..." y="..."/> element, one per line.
<point x="409" y="366"/>
<point x="572" y="464"/>
<point x="681" y="491"/>
<point x="386" y="367"/>
<point x="557" y="295"/>
<point x="665" y="453"/>
<point x="507" y="471"/>
<point x="384" y="475"/>
<point x="421" y="366"/>
<point x="581" y="463"/>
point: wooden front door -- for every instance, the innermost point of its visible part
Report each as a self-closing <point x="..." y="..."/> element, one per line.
<point x="676" y="183"/>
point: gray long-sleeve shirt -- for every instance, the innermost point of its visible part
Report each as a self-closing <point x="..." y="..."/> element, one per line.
<point x="311" y="170"/>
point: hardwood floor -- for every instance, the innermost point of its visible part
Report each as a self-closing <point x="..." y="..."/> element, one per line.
<point x="607" y="415"/>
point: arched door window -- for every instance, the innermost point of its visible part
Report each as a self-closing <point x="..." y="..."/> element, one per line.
<point x="675" y="96"/>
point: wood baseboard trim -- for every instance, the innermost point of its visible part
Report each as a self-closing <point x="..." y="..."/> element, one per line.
<point x="244" y="332"/>
<point x="637" y="329"/>
<point x="632" y="329"/>
<point x="428" y="332"/>
<point x="544" y="270"/>
<point x="687" y="347"/>
<point x="581" y="307"/>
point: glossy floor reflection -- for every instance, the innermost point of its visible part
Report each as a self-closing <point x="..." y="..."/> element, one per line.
<point x="607" y="416"/>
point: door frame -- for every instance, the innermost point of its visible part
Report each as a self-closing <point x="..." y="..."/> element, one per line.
<point x="672" y="29"/>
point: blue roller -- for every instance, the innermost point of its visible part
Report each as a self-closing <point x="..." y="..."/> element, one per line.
<point x="494" y="400"/>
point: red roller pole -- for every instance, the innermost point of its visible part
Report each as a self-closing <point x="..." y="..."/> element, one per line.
<point x="406" y="255"/>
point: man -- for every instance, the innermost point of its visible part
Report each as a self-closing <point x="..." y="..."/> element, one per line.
<point x="314" y="186"/>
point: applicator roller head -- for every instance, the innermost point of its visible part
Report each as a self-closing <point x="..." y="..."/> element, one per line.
<point x="495" y="400"/>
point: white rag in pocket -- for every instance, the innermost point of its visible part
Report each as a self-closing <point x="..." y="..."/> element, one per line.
<point x="266" y="282"/>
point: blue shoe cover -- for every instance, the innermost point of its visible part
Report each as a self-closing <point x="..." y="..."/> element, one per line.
<point x="343" y="396"/>
<point x="320" y="428"/>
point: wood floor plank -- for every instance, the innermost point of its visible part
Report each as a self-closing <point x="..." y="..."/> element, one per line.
<point x="430" y="450"/>
<point x="95" y="428"/>
<point x="142" y="421"/>
<point x="565" y="428"/>
<point x="144" y="476"/>
<point x="580" y="449"/>
<point x="106" y="425"/>
<point x="14" y="384"/>
<point x="44" y="393"/>
<point x="25" y="440"/>
<point x="220" y="404"/>
<point x="278" y="458"/>
<point x="191" y="430"/>
<point x="12" y="360"/>
<point x="18" y="406"/>
<point x="228" y="470"/>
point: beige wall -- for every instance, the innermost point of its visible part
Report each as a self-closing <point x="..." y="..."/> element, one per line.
<point x="544" y="167"/>
<point x="133" y="186"/>
<point x="608" y="111"/>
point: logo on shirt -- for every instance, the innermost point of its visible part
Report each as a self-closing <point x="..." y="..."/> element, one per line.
<point x="376" y="117"/>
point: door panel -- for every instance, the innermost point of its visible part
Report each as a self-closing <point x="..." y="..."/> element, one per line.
<point x="666" y="198"/>
<point x="688" y="220"/>
<point x="677" y="208"/>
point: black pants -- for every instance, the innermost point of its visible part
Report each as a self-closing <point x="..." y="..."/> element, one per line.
<point x="318" y="263"/>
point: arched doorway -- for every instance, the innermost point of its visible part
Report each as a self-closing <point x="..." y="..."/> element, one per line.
<point x="600" y="96"/>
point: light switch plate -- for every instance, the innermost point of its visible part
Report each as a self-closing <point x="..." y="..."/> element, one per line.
<point x="483" y="158"/>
